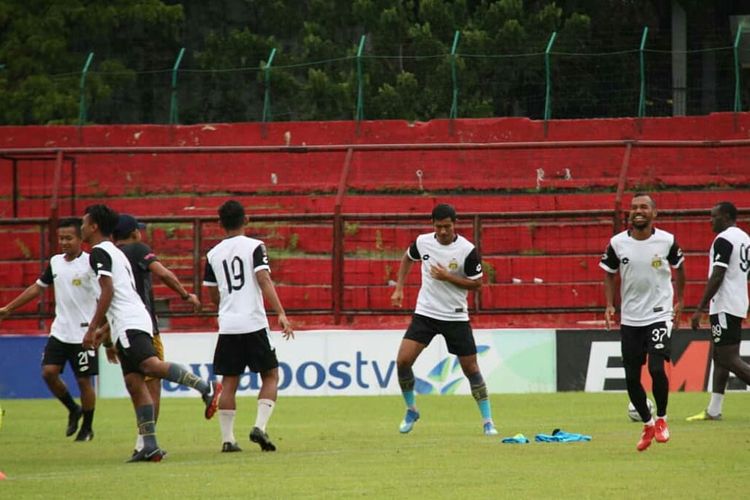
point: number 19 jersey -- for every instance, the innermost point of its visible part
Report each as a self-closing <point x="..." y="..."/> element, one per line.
<point x="231" y="265"/>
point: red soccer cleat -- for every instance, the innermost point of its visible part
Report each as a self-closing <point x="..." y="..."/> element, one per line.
<point x="646" y="437"/>
<point x="661" y="431"/>
<point x="212" y="400"/>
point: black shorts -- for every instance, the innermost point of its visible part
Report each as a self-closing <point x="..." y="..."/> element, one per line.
<point x="83" y="362"/>
<point x="141" y="348"/>
<point x="637" y="341"/>
<point x="236" y="351"/>
<point x="458" y="335"/>
<point x="726" y="329"/>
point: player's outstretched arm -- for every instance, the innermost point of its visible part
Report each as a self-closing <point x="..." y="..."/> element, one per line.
<point x="397" y="297"/>
<point x="269" y="292"/>
<point x="168" y="278"/>
<point x="31" y="292"/>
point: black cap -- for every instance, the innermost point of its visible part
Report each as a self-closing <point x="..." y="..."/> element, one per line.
<point x="126" y="224"/>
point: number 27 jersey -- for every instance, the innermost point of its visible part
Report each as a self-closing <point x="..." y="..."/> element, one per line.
<point x="231" y="265"/>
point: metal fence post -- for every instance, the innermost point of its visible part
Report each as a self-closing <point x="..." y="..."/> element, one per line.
<point x="548" y="77"/>
<point x="454" y="101"/>
<point x="267" y="80"/>
<point x="737" y="71"/>
<point x="82" y="105"/>
<point x="642" y="97"/>
<point x="173" y="114"/>
<point x="360" y="112"/>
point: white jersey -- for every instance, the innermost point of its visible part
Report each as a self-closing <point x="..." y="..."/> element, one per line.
<point x="126" y="311"/>
<point x="76" y="290"/>
<point x="231" y="265"/>
<point x="646" y="278"/>
<point x="440" y="299"/>
<point x="731" y="249"/>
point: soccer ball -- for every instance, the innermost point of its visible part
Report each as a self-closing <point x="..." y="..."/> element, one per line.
<point x="633" y="413"/>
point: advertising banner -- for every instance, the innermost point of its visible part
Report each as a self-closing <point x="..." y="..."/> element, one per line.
<point x="362" y="362"/>
<point x="591" y="360"/>
<point x="21" y="368"/>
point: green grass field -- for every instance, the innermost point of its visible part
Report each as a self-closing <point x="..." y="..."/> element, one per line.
<point x="345" y="447"/>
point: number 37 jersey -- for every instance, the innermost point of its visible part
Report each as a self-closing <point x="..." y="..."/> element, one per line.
<point x="231" y="265"/>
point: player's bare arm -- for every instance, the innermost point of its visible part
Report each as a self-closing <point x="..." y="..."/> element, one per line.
<point x="714" y="282"/>
<point x="397" y="297"/>
<point x="439" y="272"/>
<point x="168" y="278"/>
<point x="269" y="292"/>
<point x="679" y="293"/>
<point x="31" y="292"/>
<point x="609" y="295"/>
<point x="100" y="318"/>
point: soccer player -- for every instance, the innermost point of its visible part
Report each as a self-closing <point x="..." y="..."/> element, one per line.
<point x="238" y="277"/>
<point x="131" y="327"/>
<point x="450" y="268"/>
<point x="643" y="256"/>
<point x="726" y="291"/>
<point x="75" y="301"/>
<point x="144" y="263"/>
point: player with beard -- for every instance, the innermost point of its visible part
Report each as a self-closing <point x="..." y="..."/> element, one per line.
<point x="643" y="256"/>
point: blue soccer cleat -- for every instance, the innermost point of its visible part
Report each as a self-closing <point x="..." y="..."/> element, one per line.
<point x="489" y="429"/>
<point x="408" y="422"/>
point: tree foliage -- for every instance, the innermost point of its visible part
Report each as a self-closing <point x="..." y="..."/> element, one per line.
<point x="406" y="70"/>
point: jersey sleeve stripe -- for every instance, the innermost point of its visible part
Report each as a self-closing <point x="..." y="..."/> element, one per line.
<point x="262" y="267"/>
<point x="718" y="263"/>
<point x="607" y="268"/>
<point x="210" y="283"/>
<point x="42" y="284"/>
<point x="475" y="276"/>
<point x="679" y="263"/>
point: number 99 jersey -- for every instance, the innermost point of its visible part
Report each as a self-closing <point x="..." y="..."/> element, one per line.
<point x="231" y="265"/>
<point x="731" y="249"/>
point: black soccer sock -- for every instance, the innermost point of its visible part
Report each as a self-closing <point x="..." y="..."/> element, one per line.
<point x="406" y="379"/>
<point x="147" y="426"/>
<point x="660" y="383"/>
<point x="69" y="402"/>
<point x="635" y="390"/>
<point x="88" y="419"/>
<point x="180" y="375"/>
<point x="478" y="387"/>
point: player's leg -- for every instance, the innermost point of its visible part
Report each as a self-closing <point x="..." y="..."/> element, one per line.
<point x="53" y="361"/>
<point x="408" y="352"/>
<point x="150" y="365"/>
<point x="478" y="387"/>
<point x="634" y="346"/>
<point x="153" y="385"/>
<point x="227" y="412"/>
<point x="85" y="366"/>
<point x="130" y="359"/>
<point x="460" y="341"/>
<point x="719" y="382"/>
<point x="727" y="333"/>
<point x="262" y="359"/>
<point x="144" y="415"/>
<point x="418" y="336"/>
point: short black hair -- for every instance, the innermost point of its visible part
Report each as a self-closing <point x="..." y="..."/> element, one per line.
<point x="73" y="222"/>
<point x="643" y="193"/>
<point x="232" y="215"/>
<point x="727" y="208"/>
<point x="443" y="211"/>
<point x="104" y="217"/>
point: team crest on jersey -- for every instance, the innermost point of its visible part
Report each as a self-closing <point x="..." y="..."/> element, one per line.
<point x="77" y="282"/>
<point x="453" y="265"/>
<point x="656" y="262"/>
